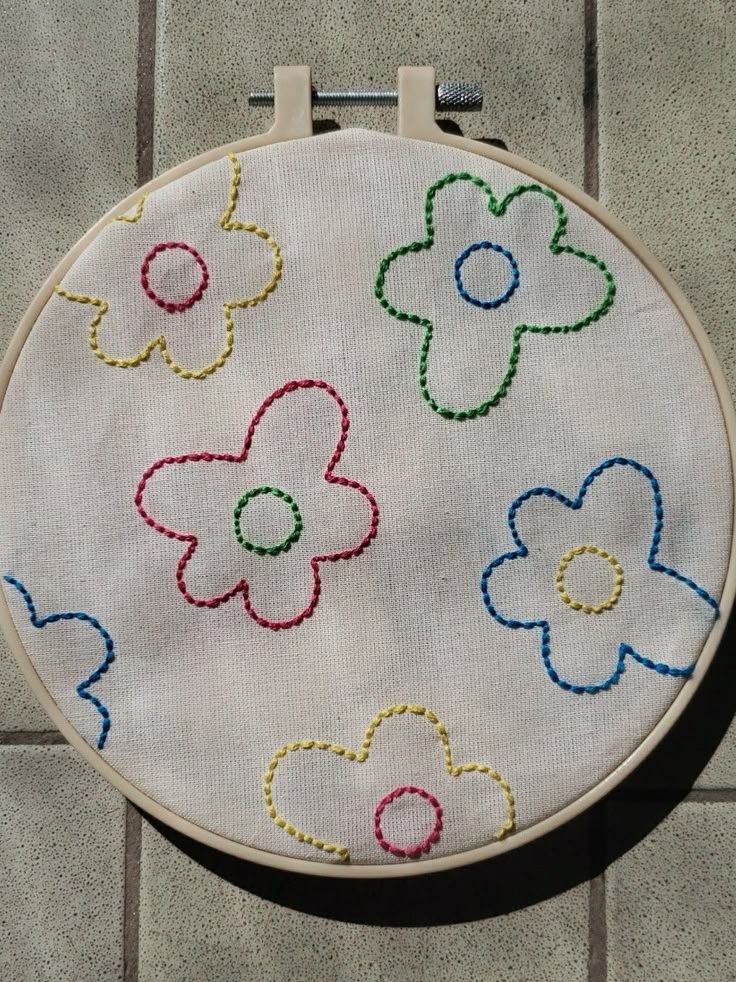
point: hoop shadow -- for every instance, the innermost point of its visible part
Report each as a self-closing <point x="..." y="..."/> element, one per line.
<point x="570" y="855"/>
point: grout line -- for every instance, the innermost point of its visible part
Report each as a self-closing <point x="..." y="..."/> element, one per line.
<point x="144" y="130"/>
<point x="146" y="86"/>
<point x="597" y="931"/>
<point x="18" y="738"/>
<point x="711" y="794"/>
<point x="590" y="99"/>
<point x="597" y="914"/>
<point x="131" y="909"/>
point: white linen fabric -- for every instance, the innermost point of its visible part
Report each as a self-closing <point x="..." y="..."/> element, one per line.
<point x="200" y="698"/>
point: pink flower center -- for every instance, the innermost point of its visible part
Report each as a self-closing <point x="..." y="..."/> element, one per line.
<point x="412" y="851"/>
<point x="172" y="276"/>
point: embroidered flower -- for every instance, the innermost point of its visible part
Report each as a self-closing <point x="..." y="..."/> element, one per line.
<point x="518" y="300"/>
<point x="172" y="280"/>
<point x="621" y="605"/>
<point x="375" y="822"/>
<point x="224" y="496"/>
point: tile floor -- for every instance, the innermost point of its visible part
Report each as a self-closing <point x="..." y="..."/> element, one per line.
<point x="633" y="99"/>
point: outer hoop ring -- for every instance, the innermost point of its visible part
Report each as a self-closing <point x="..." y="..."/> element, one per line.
<point x="427" y="131"/>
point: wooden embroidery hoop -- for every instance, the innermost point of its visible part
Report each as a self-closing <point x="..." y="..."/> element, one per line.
<point x="416" y="120"/>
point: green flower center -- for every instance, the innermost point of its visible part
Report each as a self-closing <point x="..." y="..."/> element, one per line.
<point x="285" y="544"/>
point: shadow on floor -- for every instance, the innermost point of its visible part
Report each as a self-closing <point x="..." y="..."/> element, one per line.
<point x="525" y="876"/>
<point x="450" y="126"/>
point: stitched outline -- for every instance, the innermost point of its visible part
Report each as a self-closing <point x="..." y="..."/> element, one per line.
<point x="507" y="293"/>
<point x="228" y="306"/>
<point x="285" y="544"/>
<point x="329" y="475"/>
<point x="173" y="306"/>
<point x="587" y="608"/>
<point x="109" y="658"/>
<point x="454" y="770"/>
<point x="497" y="209"/>
<point x="135" y="217"/>
<point x="410" y="852"/>
<point x="521" y="552"/>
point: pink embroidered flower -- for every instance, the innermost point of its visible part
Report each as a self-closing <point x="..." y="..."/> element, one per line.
<point x="264" y="522"/>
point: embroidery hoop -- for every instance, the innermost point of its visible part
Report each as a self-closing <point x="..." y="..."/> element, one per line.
<point x="416" y="120"/>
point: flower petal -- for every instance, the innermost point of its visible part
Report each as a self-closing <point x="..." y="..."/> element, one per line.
<point x="125" y="332"/>
<point x="568" y="635"/>
<point x="243" y="470"/>
<point x="364" y="755"/>
<point x="433" y="314"/>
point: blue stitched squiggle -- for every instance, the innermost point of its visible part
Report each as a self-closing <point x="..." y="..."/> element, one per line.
<point x="70" y="615"/>
<point x="521" y="551"/>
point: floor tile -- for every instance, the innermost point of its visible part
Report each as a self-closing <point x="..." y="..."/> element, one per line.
<point x="671" y="899"/>
<point x="61" y="869"/>
<point x="528" y="54"/>
<point x="19" y="708"/>
<point x="67" y="154"/>
<point x="194" y="925"/>
<point x="67" y="132"/>
<point x="667" y="144"/>
<point x="720" y="771"/>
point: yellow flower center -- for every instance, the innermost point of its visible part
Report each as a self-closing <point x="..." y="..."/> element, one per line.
<point x="586" y="607"/>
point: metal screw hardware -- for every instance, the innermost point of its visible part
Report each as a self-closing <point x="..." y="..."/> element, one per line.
<point x="450" y="97"/>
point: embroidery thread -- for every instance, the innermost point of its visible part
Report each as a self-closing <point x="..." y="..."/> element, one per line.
<point x="588" y="608"/>
<point x="159" y="342"/>
<point x="362" y="755"/>
<point x="174" y="306"/>
<point x="497" y="208"/>
<point x="507" y="293"/>
<point x="241" y="587"/>
<point x="411" y="852"/>
<point x="291" y="538"/>
<point x="135" y="217"/>
<point x="521" y="551"/>
<point x="109" y="648"/>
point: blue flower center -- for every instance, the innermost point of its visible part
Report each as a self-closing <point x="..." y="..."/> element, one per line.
<point x="488" y="303"/>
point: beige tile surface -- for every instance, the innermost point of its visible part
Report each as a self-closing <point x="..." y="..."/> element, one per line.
<point x="61" y="869"/>
<point x="672" y="898"/>
<point x="67" y="154"/>
<point x="668" y="142"/>
<point x="195" y="925"/>
<point x="528" y="53"/>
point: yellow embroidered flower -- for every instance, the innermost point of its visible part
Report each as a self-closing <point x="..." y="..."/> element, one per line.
<point x="157" y="288"/>
<point x="374" y="826"/>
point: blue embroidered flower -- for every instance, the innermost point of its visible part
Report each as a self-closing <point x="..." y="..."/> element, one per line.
<point x="606" y="606"/>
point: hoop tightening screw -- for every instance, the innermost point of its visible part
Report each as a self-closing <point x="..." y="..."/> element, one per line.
<point x="449" y="97"/>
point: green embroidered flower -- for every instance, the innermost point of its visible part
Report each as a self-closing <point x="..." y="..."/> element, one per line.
<point x="514" y="291"/>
